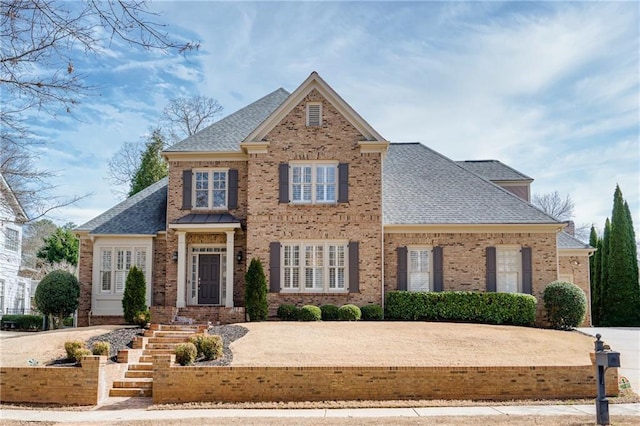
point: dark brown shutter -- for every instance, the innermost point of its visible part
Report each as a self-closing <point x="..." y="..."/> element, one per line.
<point x="491" y="269"/>
<point x="354" y="267"/>
<point x="527" y="271"/>
<point x="274" y="267"/>
<point x="233" y="189"/>
<point x="343" y="183"/>
<point x="438" y="282"/>
<point x="186" y="189"/>
<point x="402" y="268"/>
<point x="283" y="180"/>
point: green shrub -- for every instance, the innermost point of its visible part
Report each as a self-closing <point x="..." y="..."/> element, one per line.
<point x="565" y="304"/>
<point x="72" y="346"/>
<point x="101" y="348"/>
<point x="372" y="313"/>
<point x="68" y="322"/>
<point x="24" y="322"/>
<point x="255" y="299"/>
<point x="349" y="313"/>
<point x="310" y="313"/>
<point x="186" y="353"/>
<point x="58" y="294"/>
<point x="462" y="306"/>
<point x="142" y="318"/>
<point x="134" y="298"/>
<point x="79" y="353"/>
<point x="288" y="312"/>
<point x="329" y="312"/>
<point x="211" y="347"/>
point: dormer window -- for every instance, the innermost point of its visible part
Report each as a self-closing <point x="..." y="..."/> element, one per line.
<point x="314" y="114"/>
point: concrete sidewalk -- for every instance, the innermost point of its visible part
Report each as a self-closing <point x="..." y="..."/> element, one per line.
<point x="151" y="415"/>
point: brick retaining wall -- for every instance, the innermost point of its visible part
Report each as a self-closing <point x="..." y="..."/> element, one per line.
<point x="176" y="384"/>
<point x="86" y="385"/>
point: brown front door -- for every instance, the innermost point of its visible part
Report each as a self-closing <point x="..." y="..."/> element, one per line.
<point x="209" y="279"/>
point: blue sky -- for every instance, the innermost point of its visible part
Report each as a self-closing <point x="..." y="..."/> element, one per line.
<point x="550" y="88"/>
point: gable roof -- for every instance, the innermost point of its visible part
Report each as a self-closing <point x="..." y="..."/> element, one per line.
<point x="144" y="213"/>
<point x="493" y="170"/>
<point x="314" y="82"/>
<point x="421" y="186"/>
<point x="225" y="135"/>
<point x="12" y="202"/>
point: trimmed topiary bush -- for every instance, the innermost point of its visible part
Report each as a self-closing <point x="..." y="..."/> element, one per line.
<point x="565" y="304"/>
<point x="288" y="312"/>
<point x="462" y="306"/>
<point x="71" y="347"/>
<point x="310" y="313"/>
<point x="58" y="294"/>
<point x="186" y="353"/>
<point x="349" y="312"/>
<point x="101" y="348"/>
<point x="372" y="313"/>
<point x="255" y="299"/>
<point x="134" y="297"/>
<point x="329" y="312"/>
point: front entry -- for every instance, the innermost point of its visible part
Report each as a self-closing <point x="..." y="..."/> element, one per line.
<point x="209" y="279"/>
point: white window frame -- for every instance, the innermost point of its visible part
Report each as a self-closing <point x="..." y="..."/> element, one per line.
<point x="502" y="274"/>
<point x="324" y="272"/>
<point x="211" y="180"/>
<point x="12" y="239"/>
<point x="313" y="105"/>
<point x="313" y="185"/>
<point x="414" y="271"/>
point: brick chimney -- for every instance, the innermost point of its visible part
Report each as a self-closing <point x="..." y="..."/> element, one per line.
<point x="570" y="227"/>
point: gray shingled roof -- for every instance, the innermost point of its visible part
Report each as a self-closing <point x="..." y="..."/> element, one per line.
<point x="225" y="135"/>
<point x="145" y="213"/>
<point x="493" y="170"/>
<point x="422" y="186"/>
<point x="567" y="241"/>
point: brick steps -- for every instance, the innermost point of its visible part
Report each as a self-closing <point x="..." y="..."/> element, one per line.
<point x="158" y="339"/>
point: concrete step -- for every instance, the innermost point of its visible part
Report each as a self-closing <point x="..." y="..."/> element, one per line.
<point x="173" y="334"/>
<point x="138" y="374"/>
<point x="157" y="346"/>
<point x="141" y="367"/>
<point x="146" y="359"/>
<point x="131" y="392"/>
<point x="180" y="327"/>
<point x="169" y="351"/>
<point x="141" y="383"/>
<point x="168" y="339"/>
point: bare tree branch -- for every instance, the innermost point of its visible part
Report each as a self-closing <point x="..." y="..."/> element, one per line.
<point x="554" y="205"/>
<point x="184" y="117"/>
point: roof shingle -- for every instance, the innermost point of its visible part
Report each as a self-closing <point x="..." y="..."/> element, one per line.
<point x="493" y="170"/>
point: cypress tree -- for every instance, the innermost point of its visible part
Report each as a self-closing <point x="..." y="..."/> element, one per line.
<point x="622" y="294"/>
<point x="632" y="238"/>
<point x="604" y="271"/>
<point x="593" y="242"/>
<point x="255" y="297"/>
<point x="597" y="279"/>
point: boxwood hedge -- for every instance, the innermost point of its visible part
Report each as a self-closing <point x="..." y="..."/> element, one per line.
<point x="463" y="306"/>
<point x="24" y="322"/>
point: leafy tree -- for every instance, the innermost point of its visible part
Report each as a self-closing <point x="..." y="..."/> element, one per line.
<point x="152" y="167"/>
<point x="60" y="246"/>
<point x="41" y="39"/>
<point x="134" y="298"/>
<point x="621" y="297"/>
<point x="33" y="235"/>
<point x="256" y="292"/>
<point x="58" y="294"/>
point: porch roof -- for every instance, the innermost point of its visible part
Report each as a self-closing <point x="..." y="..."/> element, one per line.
<point x="206" y="218"/>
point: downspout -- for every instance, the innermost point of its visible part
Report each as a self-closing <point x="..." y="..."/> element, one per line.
<point x="382" y="229"/>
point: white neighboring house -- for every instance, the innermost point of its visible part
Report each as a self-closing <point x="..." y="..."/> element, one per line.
<point x="15" y="291"/>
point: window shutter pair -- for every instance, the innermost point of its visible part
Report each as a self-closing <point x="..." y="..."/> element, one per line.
<point x="187" y="181"/>
<point x="527" y="270"/>
<point x="283" y="181"/>
<point x="403" y="269"/>
<point x="354" y="267"/>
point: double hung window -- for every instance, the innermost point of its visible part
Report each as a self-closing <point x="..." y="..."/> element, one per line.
<point x="115" y="263"/>
<point x="419" y="269"/>
<point x="12" y="239"/>
<point x="313" y="183"/>
<point x="508" y="269"/>
<point x="210" y="189"/>
<point x="314" y="267"/>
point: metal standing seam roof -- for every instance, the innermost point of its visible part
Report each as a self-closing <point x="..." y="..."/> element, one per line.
<point x="493" y="170"/>
<point x="421" y="186"/>
<point x="144" y="213"/>
<point x="225" y="135"/>
<point x="206" y="218"/>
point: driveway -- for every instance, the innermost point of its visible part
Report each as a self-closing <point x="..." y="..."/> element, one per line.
<point x="625" y="340"/>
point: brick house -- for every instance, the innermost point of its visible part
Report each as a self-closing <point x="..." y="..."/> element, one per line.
<point x="335" y="212"/>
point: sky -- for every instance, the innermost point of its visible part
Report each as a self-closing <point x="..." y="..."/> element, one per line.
<point x="550" y="88"/>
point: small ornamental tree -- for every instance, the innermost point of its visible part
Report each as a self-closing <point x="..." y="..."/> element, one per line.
<point x="256" y="292"/>
<point x="58" y="294"/>
<point x="134" y="297"/>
